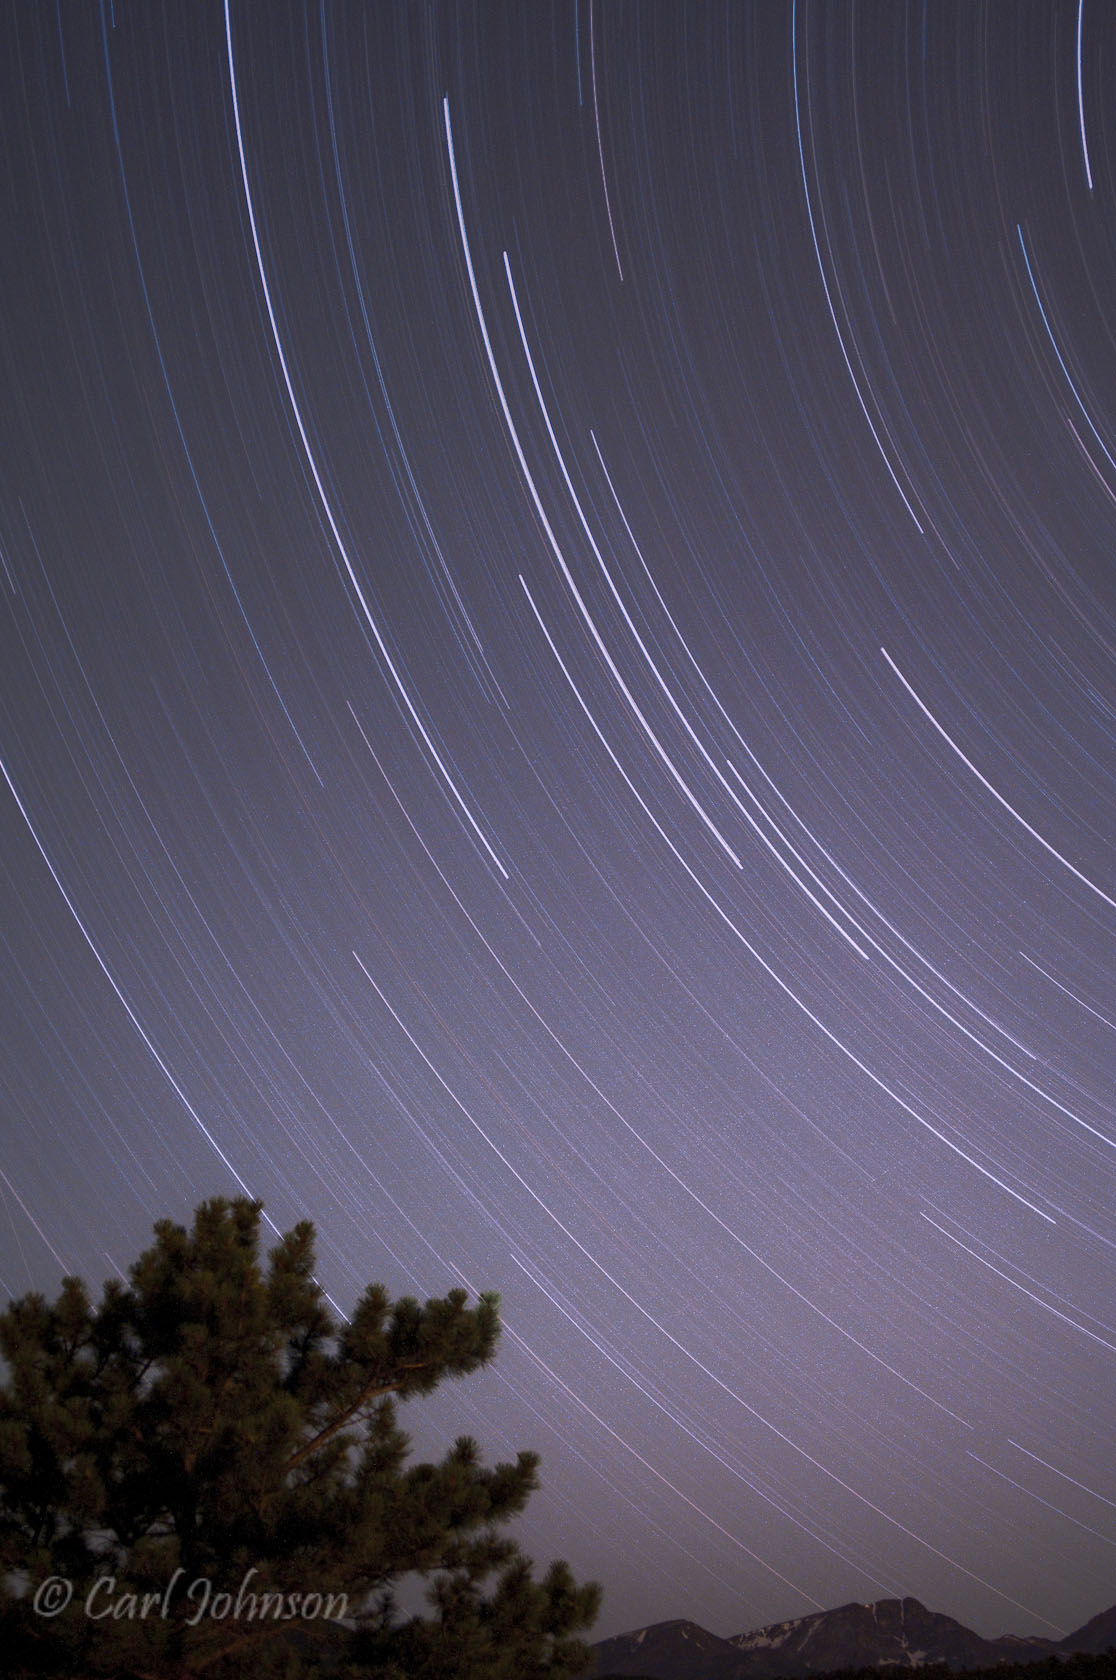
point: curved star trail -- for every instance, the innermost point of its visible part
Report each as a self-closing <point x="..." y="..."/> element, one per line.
<point x="558" y="718"/>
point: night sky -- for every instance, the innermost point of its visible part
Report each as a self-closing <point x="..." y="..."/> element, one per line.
<point x="557" y="712"/>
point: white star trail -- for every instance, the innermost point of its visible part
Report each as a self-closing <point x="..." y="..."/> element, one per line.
<point x="557" y="720"/>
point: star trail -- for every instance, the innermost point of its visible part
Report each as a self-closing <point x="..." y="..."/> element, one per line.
<point x="558" y="719"/>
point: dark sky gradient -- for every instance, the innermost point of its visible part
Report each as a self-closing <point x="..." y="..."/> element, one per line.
<point x="557" y="705"/>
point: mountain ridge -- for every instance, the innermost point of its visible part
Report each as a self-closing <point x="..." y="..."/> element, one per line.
<point x="888" y="1634"/>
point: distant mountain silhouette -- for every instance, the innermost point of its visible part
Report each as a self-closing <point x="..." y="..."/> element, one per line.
<point x="893" y="1633"/>
<point x="1096" y="1636"/>
<point x="669" y="1651"/>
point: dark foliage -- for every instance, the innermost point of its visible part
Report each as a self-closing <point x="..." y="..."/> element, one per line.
<point x="210" y="1430"/>
<point x="1077" y="1667"/>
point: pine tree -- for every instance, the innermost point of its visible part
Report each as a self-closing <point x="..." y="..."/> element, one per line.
<point x="216" y="1468"/>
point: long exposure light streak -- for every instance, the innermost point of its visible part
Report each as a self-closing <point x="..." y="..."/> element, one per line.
<point x="457" y="481"/>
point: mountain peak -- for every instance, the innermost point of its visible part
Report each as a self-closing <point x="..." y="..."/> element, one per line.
<point x="890" y="1633"/>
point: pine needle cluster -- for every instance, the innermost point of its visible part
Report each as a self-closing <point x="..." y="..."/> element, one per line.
<point x="213" y="1470"/>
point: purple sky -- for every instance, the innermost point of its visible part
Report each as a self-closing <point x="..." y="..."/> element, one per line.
<point x="557" y="709"/>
